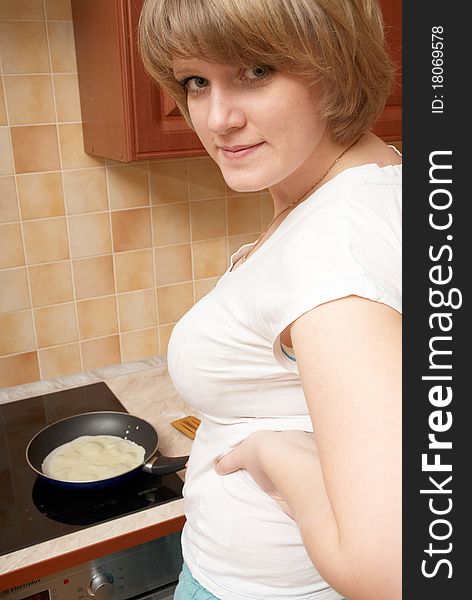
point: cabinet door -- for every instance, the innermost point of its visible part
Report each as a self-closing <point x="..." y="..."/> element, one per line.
<point x="125" y="117"/>
<point x="159" y="128"/>
<point x="389" y="125"/>
<point x="102" y="82"/>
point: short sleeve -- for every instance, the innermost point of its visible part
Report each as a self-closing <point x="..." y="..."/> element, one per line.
<point x="351" y="248"/>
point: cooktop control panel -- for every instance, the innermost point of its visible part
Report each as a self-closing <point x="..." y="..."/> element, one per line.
<point x="150" y="570"/>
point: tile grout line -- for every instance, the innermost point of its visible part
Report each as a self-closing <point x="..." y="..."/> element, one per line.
<point x="35" y="20"/>
<point x="22" y="233"/>
<point x="153" y="249"/>
<point x="134" y="251"/>
<point x="44" y="123"/>
<point x="7" y="115"/>
<point x="93" y="338"/>
<point x="190" y="230"/>
<point x="66" y="215"/>
<point x="112" y="210"/>
<point x="113" y="260"/>
<point x="127" y="293"/>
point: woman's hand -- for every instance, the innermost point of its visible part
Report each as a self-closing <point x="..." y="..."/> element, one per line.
<point x="275" y="460"/>
<point x="346" y="504"/>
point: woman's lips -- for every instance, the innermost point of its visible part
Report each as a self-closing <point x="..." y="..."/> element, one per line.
<point x="237" y="152"/>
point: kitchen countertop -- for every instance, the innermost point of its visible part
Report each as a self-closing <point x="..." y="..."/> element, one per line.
<point x="145" y="390"/>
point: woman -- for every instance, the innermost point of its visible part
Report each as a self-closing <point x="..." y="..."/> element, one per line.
<point x="302" y="333"/>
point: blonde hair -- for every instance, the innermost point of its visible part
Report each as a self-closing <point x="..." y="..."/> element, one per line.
<point x="336" y="45"/>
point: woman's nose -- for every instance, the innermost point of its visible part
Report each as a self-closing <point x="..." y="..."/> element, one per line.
<point x="224" y="112"/>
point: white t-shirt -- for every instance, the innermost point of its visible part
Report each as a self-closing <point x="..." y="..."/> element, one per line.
<point x="226" y="360"/>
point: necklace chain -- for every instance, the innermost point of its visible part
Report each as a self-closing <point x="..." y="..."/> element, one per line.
<point x="295" y="202"/>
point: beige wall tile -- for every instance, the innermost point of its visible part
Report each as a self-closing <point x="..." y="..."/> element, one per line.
<point x="40" y="195"/>
<point x="171" y="224"/>
<point x="55" y="325"/>
<point x="6" y="153"/>
<point x="165" y="332"/>
<point x="134" y="270"/>
<point x="71" y="144"/>
<point x="233" y="194"/>
<point x="11" y="246"/>
<point x="3" y="113"/>
<point x="173" y="301"/>
<point x="85" y="191"/>
<point x="169" y="181"/>
<point x="45" y="240"/>
<point x="210" y="259"/>
<point x="203" y="286"/>
<point x="29" y="99"/>
<point x="24" y="47"/>
<point x="208" y="219"/>
<point x="94" y="277"/>
<point x="101" y="352"/>
<point x="244" y="214"/>
<point x="131" y="229"/>
<point x="35" y="148"/>
<point x="21" y="9"/>
<point x="173" y="264"/>
<point x="58" y="10"/>
<point x="97" y="317"/>
<point x="61" y="43"/>
<point x="51" y="283"/>
<point x="205" y="180"/>
<point x="139" y="344"/>
<point x="267" y="209"/>
<point x="14" y="294"/>
<point x="8" y="200"/>
<point x="128" y="186"/>
<point x="19" y="369"/>
<point x="61" y="360"/>
<point x="17" y="333"/>
<point x="66" y="90"/>
<point x="89" y="235"/>
<point x="137" y="310"/>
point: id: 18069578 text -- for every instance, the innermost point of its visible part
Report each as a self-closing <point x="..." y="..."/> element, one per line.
<point x="437" y="69"/>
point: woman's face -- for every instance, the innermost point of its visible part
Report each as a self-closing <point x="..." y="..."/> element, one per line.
<point x="258" y="124"/>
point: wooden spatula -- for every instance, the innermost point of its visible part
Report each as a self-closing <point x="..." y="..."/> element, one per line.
<point x="187" y="425"/>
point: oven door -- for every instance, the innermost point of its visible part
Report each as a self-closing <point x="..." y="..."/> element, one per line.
<point x="165" y="594"/>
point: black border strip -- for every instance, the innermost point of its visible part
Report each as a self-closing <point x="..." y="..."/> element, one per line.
<point x="436" y="288"/>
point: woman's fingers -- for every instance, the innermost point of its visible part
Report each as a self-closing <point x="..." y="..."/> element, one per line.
<point x="229" y="463"/>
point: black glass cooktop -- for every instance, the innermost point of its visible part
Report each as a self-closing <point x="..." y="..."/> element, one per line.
<point x="33" y="510"/>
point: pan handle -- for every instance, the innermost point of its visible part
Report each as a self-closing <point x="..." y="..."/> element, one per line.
<point x="162" y="465"/>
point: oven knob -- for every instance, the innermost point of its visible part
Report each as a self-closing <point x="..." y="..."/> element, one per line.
<point x="101" y="586"/>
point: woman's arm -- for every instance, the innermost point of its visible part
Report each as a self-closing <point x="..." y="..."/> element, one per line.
<point x="346" y="499"/>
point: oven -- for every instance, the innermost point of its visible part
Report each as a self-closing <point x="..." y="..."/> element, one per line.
<point x="148" y="571"/>
<point x="34" y="511"/>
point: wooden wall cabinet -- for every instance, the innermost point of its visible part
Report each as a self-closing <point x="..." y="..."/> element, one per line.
<point x="126" y="117"/>
<point x="389" y="124"/>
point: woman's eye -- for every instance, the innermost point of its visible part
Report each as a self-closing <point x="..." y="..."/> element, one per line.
<point x="259" y="72"/>
<point x="194" y="84"/>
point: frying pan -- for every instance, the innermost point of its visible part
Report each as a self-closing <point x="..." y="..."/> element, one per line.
<point x="118" y="424"/>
